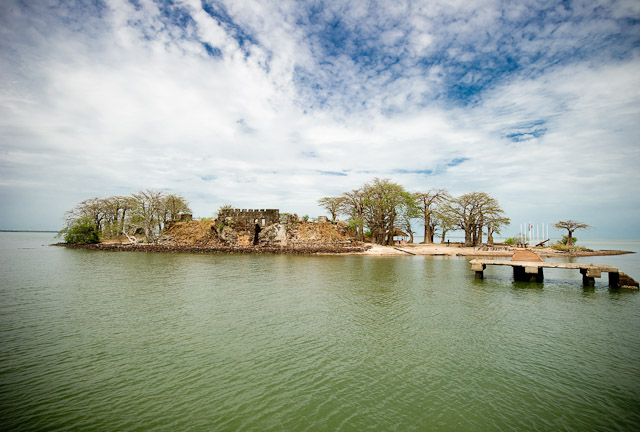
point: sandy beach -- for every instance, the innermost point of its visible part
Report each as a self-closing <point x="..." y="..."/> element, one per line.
<point x="482" y="251"/>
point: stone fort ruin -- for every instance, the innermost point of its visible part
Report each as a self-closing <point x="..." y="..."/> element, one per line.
<point x="249" y="222"/>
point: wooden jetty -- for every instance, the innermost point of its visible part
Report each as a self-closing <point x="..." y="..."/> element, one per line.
<point x="527" y="266"/>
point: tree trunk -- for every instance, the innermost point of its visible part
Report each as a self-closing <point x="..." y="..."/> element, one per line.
<point x="124" y="213"/>
<point x="570" y="238"/>
<point x="428" y="231"/>
<point x="468" y="241"/>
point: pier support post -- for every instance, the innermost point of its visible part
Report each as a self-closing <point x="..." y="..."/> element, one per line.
<point x="614" y="280"/>
<point x="587" y="279"/>
<point x="528" y="274"/>
<point x="479" y="269"/>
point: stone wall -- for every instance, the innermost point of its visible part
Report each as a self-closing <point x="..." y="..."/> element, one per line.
<point x="250" y="217"/>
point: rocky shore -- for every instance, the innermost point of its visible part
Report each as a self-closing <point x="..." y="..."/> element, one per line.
<point x="297" y="250"/>
<point x="332" y="248"/>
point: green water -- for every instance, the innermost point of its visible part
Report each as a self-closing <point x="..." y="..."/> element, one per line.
<point x="134" y="341"/>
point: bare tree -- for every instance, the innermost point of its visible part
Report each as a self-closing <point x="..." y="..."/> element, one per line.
<point x="427" y="203"/>
<point x="571" y="226"/>
<point x="473" y="211"/>
<point x="407" y="213"/>
<point x="170" y="208"/>
<point x="354" y="208"/>
<point x="444" y="221"/>
<point x="334" y="205"/>
<point x="494" y="224"/>
<point x="147" y="207"/>
<point x="92" y="208"/>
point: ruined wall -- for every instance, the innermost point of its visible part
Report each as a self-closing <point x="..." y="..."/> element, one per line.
<point x="250" y="217"/>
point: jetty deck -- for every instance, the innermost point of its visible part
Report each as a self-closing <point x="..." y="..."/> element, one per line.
<point x="527" y="266"/>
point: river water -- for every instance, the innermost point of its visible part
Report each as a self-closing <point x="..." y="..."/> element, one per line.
<point x="157" y="341"/>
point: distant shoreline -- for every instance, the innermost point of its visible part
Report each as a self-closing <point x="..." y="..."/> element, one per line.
<point x="28" y="231"/>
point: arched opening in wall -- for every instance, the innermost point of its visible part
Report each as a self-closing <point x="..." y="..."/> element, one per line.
<point x="256" y="232"/>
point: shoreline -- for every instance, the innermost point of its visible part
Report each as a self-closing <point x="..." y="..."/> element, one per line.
<point x="366" y="249"/>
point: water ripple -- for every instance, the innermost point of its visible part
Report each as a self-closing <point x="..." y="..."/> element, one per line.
<point x="119" y="341"/>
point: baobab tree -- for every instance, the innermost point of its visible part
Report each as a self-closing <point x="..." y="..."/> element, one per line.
<point x="334" y="205"/>
<point x="473" y="211"/>
<point x="571" y="226"/>
<point x="427" y="202"/>
<point x="354" y="208"/>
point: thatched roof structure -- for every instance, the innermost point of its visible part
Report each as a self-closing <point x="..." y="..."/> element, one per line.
<point x="398" y="233"/>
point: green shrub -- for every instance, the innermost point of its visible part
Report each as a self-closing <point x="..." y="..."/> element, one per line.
<point x="560" y="247"/>
<point x="512" y="241"/>
<point x="565" y="239"/>
<point x="83" y="231"/>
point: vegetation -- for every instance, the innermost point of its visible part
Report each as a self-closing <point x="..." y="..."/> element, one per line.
<point x="384" y="207"/>
<point x="334" y="205"/>
<point x="565" y="240"/>
<point x="82" y="231"/>
<point x="150" y="211"/>
<point x="223" y="209"/>
<point x="428" y="203"/>
<point x="471" y="213"/>
<point x="381" y="206"/>
<point x="570" y="226"/>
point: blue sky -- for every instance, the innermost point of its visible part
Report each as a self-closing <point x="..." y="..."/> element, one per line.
<point x="276" y="104"/>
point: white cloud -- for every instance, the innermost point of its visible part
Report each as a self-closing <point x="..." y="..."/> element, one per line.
<point x="138" y="102"/>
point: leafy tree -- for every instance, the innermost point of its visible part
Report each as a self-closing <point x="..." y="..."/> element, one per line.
<point x="444" y="221"/>
<point x="383" y="202"/>
<point x="334" y="205"/>
<point x="571" y="226"/>
<point x="354" y="208"/>
<point x="428" y="202"/>
<point x="408" y="212"/>
<point x="473" y="211"/>
<point x="81" y="231"/>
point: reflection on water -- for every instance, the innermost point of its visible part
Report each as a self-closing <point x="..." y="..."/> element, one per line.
<point x="112" y="341"/>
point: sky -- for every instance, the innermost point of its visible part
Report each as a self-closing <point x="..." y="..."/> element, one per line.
<point x="275" y="104"/>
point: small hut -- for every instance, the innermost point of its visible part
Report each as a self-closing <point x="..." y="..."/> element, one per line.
<point x="399" y="237"/>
